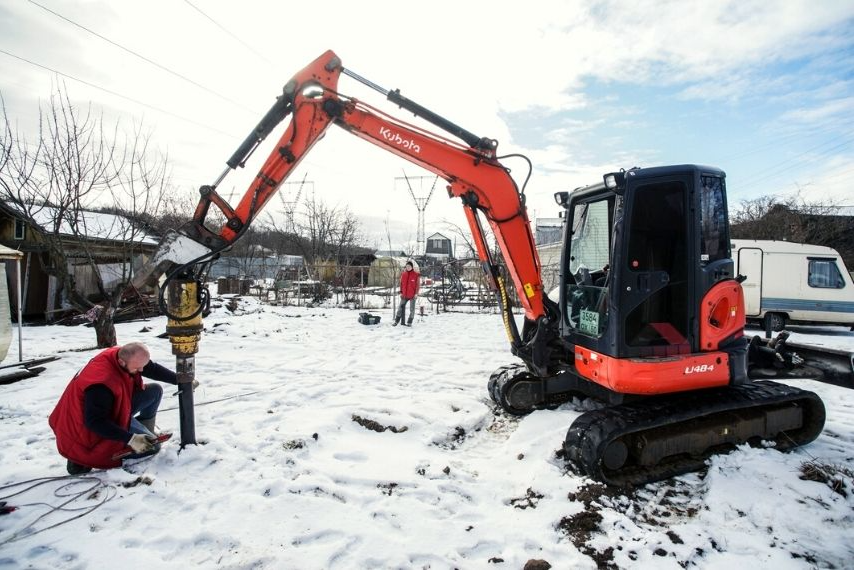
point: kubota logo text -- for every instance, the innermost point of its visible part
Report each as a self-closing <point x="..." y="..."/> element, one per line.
<point x="395" y="138"/>
<point x="699" y="369"/>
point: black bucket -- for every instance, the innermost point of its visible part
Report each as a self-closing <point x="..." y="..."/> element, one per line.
<point x="369" y="319"/>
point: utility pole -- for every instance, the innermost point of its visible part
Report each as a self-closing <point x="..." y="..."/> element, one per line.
<point x="420" y="203"/>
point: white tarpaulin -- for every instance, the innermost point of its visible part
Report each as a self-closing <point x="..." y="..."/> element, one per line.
<point x="5" y="310"/>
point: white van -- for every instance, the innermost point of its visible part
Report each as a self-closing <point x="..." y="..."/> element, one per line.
<point x="793" y="282"/>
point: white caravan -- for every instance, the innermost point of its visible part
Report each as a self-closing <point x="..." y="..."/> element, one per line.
<point x="793" y="282"/>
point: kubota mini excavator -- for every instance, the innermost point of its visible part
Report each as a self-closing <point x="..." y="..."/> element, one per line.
<point x="649" y="316"/>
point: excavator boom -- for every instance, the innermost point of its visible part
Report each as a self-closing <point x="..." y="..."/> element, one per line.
<point x="469" y="166"/>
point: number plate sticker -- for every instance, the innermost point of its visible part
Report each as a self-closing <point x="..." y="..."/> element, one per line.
<point x="588" y="322"/>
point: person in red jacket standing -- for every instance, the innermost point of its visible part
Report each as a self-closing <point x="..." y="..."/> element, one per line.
<point x="94" y="418"/>
<point x="410" y="281"/>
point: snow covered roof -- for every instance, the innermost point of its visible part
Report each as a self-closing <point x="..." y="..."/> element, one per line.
<point x="9" y="253"/>
<point x="95" y="225"/>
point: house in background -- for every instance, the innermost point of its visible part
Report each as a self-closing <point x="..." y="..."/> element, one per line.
<point x="115" y="243"/>
<point x="439" y="248"/>
<point x="548" y="230"/>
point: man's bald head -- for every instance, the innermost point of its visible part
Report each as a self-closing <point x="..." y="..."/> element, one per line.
<point x="133" y="357"/>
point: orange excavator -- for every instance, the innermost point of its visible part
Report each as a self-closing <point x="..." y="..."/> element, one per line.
<point x="648" y="317"/>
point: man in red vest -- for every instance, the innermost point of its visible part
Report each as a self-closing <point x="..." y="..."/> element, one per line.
<point x="410" y="281"/>
<point x="94" y="419"/>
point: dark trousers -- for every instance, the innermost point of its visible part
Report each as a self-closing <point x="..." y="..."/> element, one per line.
<point x="401" y="311"/>
<point x="145" y="403"/>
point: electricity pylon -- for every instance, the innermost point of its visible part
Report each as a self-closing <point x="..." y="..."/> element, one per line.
<point x="420" y="203"/>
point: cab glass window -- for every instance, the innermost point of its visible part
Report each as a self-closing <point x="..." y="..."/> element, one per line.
<point x="658" y="264"/>
<point x="713" y="220"/>
<point x="589" y="263"/>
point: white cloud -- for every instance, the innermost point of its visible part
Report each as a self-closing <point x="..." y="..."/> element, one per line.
<point x="470" y="62"/>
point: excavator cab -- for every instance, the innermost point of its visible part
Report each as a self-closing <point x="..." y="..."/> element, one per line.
<point x="642" y="250"/>
<point x="648" y="303"/>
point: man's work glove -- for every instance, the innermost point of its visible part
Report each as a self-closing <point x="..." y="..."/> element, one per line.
<point x="141" y="443"/>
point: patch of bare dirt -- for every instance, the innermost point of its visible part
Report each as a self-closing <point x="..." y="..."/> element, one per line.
<point x="138" y="481"/>
<point x="530" y="500"/>
<point x="376" y="426"/>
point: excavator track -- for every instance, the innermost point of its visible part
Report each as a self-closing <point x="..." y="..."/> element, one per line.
<point x="657" y="438"/>
<point x="514" y="389"/>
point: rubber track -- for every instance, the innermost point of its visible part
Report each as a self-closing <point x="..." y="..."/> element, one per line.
<point x="590" y="434"/>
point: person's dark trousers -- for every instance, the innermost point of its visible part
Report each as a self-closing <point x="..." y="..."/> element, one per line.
<point x="145" y="403"/>
<point x="400" y="317"/>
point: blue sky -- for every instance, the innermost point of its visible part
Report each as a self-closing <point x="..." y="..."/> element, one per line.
<point x="777" y="127"/>
<point x="760" y="89"/>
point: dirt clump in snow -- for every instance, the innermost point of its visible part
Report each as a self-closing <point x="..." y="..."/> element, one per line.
<point x="376" y="426"/>
<point x="536" y="564"/>
<point x="580" y="527"/>
<point x="530" y="500"/>
<point x="138" y="481"/>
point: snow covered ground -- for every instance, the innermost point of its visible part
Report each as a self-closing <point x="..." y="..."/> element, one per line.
<point x="328" y="444"/>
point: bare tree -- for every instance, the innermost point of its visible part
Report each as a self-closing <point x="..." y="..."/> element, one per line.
<point x="325" y="231"/>
<point x="79" y="164"/>
<point x="795" y="219"/>
<point x="176" y="209"/>
<point x="465" y="240"/>
<point x="469" y="250"/>
<point x="6" y="142"/>
<point x="327" y="238"/>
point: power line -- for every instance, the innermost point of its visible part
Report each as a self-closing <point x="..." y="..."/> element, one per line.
<point x="796" y="161"/>
<point x="221" y="27"/>
<point x="131" y="99"/>
<point x="778" y="141"/>
<point x="142" y="57"/>
<point x="838" y="174"/>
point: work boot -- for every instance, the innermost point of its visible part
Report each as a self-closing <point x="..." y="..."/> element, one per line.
<point x="149" y="424"/>
<point x="395" y="323"/>
<point x="76" y="468"/>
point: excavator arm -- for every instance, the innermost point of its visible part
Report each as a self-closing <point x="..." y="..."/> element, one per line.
<point x="471" y="169"/>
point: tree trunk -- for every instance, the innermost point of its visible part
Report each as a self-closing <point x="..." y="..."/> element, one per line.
<point x="105" y="330"/>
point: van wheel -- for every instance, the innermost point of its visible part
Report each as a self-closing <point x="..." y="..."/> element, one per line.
<point x="776" y="321"/>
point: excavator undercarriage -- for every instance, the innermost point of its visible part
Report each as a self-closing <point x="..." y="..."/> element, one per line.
<point x="635" y="440"/>
<point x="664" y="436"/>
